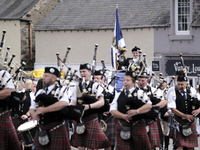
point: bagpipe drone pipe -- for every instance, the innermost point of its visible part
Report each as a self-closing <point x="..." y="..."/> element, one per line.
<point x="87" y="96"/>
<point x="5" y="78"/>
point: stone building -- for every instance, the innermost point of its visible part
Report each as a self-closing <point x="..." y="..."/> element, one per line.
<point x="81" y="24"/>
<point x="161" y="28"/>
<point x="19" y="18"/>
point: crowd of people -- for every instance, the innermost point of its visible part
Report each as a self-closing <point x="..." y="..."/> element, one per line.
<point x="41" y="114"/>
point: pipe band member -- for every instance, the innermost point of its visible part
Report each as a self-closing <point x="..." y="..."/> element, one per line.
<point x="185" y="107"/>
<point x="9" y="139"/>
<point x="45" y="108"/>
<point x="156" y="103"/>
<point x="130" y="117"/>
<point x="93" y="137"/>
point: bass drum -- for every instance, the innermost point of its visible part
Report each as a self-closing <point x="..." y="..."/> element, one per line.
<point x="27" y="132"/>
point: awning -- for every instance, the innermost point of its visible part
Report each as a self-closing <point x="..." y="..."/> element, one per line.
<point x="38" y="73"/>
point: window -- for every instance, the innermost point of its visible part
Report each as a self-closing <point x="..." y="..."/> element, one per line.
<point x="182" y="17"/>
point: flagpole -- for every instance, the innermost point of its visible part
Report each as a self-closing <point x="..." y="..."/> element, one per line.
<point x="116" y="61"/>
<point x="116" y="35"/>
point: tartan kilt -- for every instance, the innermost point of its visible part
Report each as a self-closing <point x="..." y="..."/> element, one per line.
<point x="154" y="135"/>
<point x="17" y="122"/>
<point x="111" y="130"/>
<point x="93" y="137"/>
<point x="189" y="141"/>
<point x="8" y="135"/>
<point x="59" y="139"/>
<point x="139" y="138"/>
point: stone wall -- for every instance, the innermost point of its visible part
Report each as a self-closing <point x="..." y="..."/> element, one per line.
<point x="25" y="45"/>
<point x="34" y="16"/>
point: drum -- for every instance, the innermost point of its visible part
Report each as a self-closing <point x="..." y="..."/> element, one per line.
<point x="27" y="132"/>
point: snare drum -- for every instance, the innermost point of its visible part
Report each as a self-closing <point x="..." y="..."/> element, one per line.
<point x="27" y="132"/>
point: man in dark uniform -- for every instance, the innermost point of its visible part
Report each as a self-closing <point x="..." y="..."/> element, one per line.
<point x="8" y="135"/>
<point x="153" y="128"/>
<point x="134" y="62"/>
<point x="160" y="92"/>
<point x="107" y="121"/>
<point x="50" y="100"/>
<point x="92" y="97"/>
<point x="122" y="62"/>
<point x="185" y="107"/>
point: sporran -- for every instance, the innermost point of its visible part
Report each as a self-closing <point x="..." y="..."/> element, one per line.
<point x="186" y="130"/>
<point x="80" y="128"/>
<point x="125" y="132"/>
<point x="43" y="138"/>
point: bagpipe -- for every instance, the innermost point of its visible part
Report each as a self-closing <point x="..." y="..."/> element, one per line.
<point x="194" y="100"/>
<point x="88" y="96"/>
<point x="133" y="102"/>
<point x="2" y="41"/>
<point x="14" y="68"/>
<point x="68" y="112"/>
<point x="12" y="71"/>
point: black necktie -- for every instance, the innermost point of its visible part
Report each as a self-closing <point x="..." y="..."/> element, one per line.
<point x="46" y="89"/>
<point x="127" y="92"/>
<point x="84" y="85"/>
<point x="184" y="95"/>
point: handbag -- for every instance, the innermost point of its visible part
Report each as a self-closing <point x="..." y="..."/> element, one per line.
<point x="125" y="132"/>
<point x="43" y="138"/>
<point x="80" y="128"/>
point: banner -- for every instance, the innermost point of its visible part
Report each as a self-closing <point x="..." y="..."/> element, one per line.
<point x="118" y="45"/>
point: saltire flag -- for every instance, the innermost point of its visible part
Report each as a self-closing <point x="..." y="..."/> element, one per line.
<point x="118" y="45"/>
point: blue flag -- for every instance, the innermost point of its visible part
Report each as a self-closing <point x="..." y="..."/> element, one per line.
<point x="118" y="45"/>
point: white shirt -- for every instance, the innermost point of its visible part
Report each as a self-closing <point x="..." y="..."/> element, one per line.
<point x="169" y="91"/>
<point x="172" y="97"/>
<point x="10" y="84"/>
<point x="94" y="86"/>
<point x="134" y="59"/>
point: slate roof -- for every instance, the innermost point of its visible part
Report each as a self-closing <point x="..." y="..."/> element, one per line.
<point x="100" y="14"/>
<point x="15" y="9"/>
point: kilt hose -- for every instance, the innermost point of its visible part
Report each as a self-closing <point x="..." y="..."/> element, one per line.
<point x="93" y="137"/>
<point x="154" y="134"/>
<point x="59" y="139"/>
<point x="111" y="130"/>
<point x="187" y="141"/>
<point x="8" y="135"/>
<point x="139" y="138"/>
